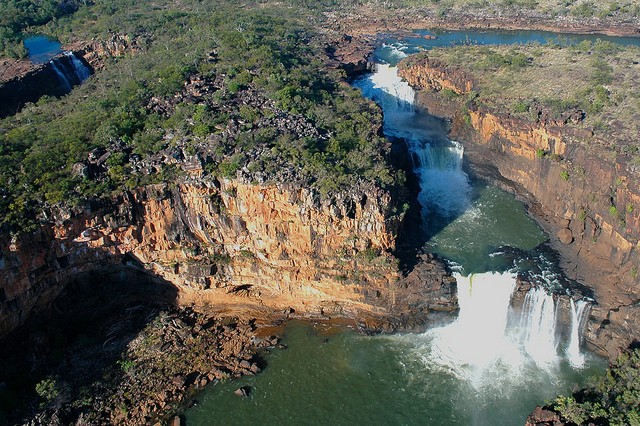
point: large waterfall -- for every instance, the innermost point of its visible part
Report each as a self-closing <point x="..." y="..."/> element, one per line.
<point x="490" y="338"/>
<point x="70" y="70"/>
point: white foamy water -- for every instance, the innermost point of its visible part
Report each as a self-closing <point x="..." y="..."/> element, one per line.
<point x="396" y="51"/>
<point x="489" y="343"/>
<point x="579" y="314"/>
<point x="476" y="342"/>
<point x="444" y="187"/>
<point x="538" y="326"/>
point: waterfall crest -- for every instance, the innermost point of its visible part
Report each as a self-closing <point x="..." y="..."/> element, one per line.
<point x="490" y="341"/>
<point x="70" y="70"/>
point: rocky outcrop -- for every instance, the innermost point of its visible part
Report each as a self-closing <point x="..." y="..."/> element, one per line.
<point x="544" y="417"/>
<point x="427" y="73"/>
<point x="584" y="194"/>
<point x="230" y="245"/>
<point x="96" y="52"/>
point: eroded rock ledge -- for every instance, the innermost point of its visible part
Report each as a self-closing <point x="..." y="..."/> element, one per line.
<point x="234" y="246"/>
<point x="597" y="249"/>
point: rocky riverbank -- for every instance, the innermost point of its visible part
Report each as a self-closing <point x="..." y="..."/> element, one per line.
<point x="113" y="354"/>
<point x="572" y="188"/>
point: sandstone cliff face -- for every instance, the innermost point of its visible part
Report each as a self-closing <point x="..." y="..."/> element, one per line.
<point x="233" y="246"/>
<point x="584" y="194"/>
<point x="428" y="73"/>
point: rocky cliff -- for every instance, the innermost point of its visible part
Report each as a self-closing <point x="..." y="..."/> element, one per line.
<point x="583" y="193"/>
<point x="237" y="247"/>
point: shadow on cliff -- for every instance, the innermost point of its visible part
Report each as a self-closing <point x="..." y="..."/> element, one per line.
<point x="418" y="228"/>
<point x="80" y="339"/>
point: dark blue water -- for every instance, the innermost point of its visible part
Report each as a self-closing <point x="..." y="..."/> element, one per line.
<point x="42" y="48"/>
<point x="445" y="38"/>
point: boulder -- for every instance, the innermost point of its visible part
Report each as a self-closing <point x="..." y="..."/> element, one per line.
<point x="565" y="236"/>
<point x="243" y="391"/>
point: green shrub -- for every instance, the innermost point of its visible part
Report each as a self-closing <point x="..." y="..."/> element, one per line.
<point x="564" y="175"/>
<point x="48" y="389"/>
<point x="613" y="211"/>
<point x="613" y="399"/>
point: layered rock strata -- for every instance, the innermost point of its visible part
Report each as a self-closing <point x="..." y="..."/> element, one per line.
<point x="584" y="194"/>
<point x="237" y="247"/>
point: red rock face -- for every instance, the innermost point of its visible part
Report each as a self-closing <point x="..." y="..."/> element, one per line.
<point x="432" y="74"/>
<point x="571" y="189"/>
<point x="237" y="247"/>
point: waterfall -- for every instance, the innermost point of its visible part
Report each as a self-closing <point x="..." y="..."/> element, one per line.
<point x="82" y="72"/>
<point x="64" y="81"/>
<point x="444" y="187"/>
<point x="437" y="162"/>
<point x="477" y="338"/>
<point x="70" y="70"/>
<point x="579" y="314"/>
<point x="538" y="326"/>
<point x="486" y="345"/>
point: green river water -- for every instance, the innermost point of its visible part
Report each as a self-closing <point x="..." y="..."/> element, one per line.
<point x="480" y="370"/>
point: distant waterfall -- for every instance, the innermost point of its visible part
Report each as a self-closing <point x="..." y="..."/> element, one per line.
<point x="64" y="81"/>
<point x="82" y="72"/>
<point x="70" y="70"/>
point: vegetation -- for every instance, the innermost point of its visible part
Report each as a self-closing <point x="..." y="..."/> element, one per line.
<point x="612" y="400"/>
<point x="18" y="15"/>
<point x="606" y="9"/>
<point x="588" y="85"/>
<point x="260" y="69"/>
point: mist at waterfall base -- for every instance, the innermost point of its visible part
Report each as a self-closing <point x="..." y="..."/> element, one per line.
<point x="491" y="366"/>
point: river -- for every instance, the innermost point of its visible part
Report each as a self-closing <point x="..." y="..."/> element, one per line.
<point x="494" y="363"/>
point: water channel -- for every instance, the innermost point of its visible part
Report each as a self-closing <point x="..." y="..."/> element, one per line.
<point x="492" y="365"/>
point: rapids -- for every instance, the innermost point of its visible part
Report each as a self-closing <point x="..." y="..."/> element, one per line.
<point x="492" y="365"/>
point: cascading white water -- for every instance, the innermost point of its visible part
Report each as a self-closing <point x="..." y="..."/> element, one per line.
<point x="538" y="326"/>
<point x="444" y="187"/>
<point x="82" y="72"/>
<point x="473" y="345"/>
<point x="484" y="345"/>
<point x="70" y="70"/>
<point x="66" y="84"/>
<point x="579" y="314"/>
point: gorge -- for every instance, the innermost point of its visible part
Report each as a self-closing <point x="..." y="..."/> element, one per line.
<point x="228" y="219"/>
<point x="504" y="344"/>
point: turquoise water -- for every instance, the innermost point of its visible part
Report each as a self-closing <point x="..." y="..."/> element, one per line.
<point x="475" y="371"/>
<point x="494" y="219"/>
<point x="334" y="376"/>
<point x="445" y="38"/>
<point x="41" y="48"/>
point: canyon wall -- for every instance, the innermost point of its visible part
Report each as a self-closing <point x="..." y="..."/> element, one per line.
<point x="237" y="247"/>
<point x="583" y="193"/>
